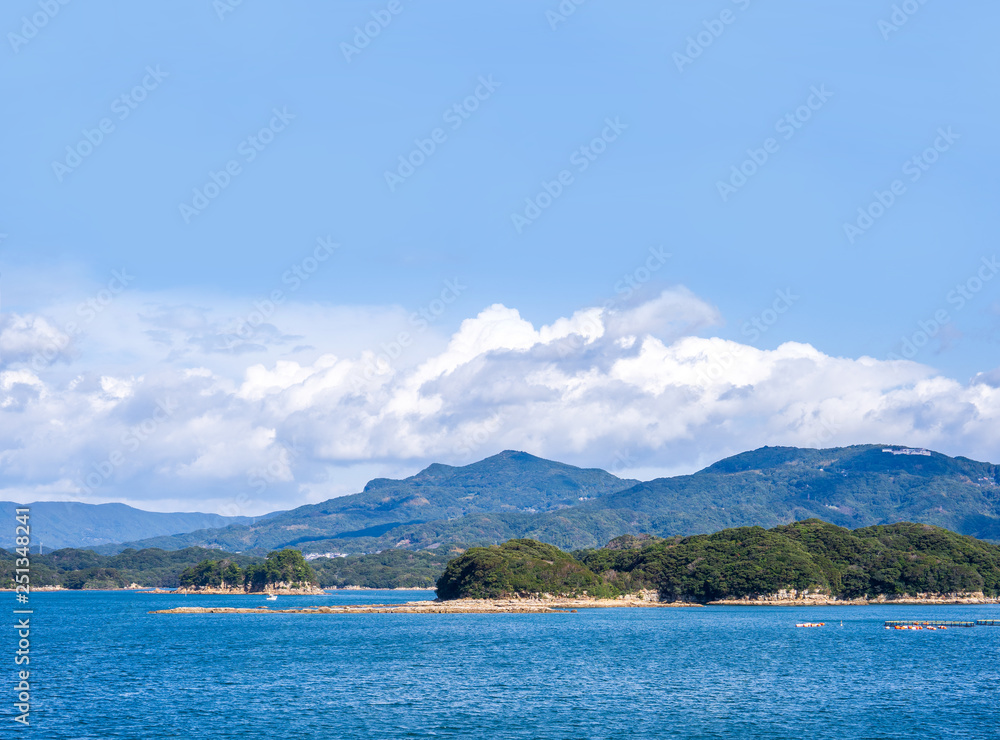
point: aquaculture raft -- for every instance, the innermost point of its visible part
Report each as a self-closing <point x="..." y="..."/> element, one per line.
<point x="910" y="624"/>
<point x="988" y="622"/>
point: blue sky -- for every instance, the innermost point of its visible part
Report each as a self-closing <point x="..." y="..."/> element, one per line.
<point x="840" y="97"/>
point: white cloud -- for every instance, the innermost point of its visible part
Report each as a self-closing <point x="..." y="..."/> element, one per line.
<point x="622" y="388"/>
<point x="32" y="339"/>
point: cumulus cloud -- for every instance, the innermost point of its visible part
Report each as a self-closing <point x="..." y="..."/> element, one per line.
<point x="635" y="388"/>
<point x="32" y="339"/>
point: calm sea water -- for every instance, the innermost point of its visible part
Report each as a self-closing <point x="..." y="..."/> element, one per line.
<point x="104" y="668"/>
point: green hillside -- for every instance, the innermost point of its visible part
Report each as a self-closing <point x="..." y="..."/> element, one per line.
<point x="508" y="482"/>
<point x="85" y="569"/>
<point x="517" y="567"/>
<point x="852" y="487"/>
<point x="875" y="561"/>
<point x="390" y="569"/>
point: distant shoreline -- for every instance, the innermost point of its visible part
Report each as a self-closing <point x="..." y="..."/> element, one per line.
<point x="167" y="590"/>
<point x="542" y="604"/>
<point x="973" y="599"/>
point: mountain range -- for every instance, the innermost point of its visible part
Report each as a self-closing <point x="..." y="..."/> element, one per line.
<point x="56" y="524"/>
<point x="514" y="495"/>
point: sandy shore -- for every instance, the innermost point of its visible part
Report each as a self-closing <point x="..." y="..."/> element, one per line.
<point x="458" y="606"/>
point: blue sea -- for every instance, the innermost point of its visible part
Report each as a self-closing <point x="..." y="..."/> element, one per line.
<point x="102" y="667"/>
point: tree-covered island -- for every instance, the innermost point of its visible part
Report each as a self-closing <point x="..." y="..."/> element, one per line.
<point x="886" y="561"/>
<point x="282" y="570"/>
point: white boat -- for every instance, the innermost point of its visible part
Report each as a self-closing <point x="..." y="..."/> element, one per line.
<point x="272" y="597"/>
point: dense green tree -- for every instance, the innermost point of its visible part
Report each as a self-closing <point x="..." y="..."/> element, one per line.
<point x="212" y="574"/>
<point x="281" y="567"/>
<point x="518" y="567"/>
<point x="389" y="569"/>
<point x="883" y="560"/>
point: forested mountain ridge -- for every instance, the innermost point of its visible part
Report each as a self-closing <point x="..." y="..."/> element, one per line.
<point x="516" y="495"/>
<point x="59" y="524"/>
<point x="511" y="481"/>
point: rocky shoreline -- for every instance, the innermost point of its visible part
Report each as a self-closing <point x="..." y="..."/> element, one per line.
<point x="371" y="588"/>
<point x="208" y="591"/>
<point x="791" y="597"/>
<point x="554" y="605"/>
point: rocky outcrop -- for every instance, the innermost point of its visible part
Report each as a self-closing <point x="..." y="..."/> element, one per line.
<point x="792" y="597"/>
<point x="286" y="591"/>
<point x="646" y="594"/>
<point x="457" y="606"/>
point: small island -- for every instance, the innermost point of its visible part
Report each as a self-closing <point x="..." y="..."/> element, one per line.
<point x="282" y="572"/>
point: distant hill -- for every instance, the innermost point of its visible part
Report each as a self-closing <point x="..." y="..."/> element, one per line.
<point x="85" y="569"/>
<point x="510" y="482"/>
<point x="58" y="524"/>
<point x="852" y="487"/>
<point x="516" y="495"/>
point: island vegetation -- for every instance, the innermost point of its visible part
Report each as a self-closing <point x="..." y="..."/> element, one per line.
<point x="200" y="567"/>
<point x="519" y="568"/>
<point x="739" y="563"/>
<point x="281" y="569"/>
<point x="213" y="574"/>
<point x="74" y="568"/>
<point x="391" y="569"/>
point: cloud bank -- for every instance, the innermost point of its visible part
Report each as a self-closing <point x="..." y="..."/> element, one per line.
<point x="172" y="405"/>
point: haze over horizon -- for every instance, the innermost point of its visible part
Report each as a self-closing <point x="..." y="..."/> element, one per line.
<point x="251" y="259"/>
